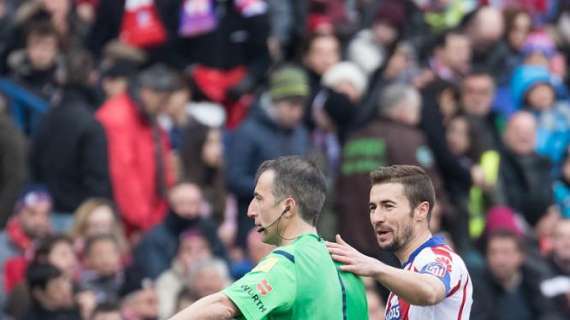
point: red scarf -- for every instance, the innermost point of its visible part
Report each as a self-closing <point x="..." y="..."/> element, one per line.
<point x="17" y="235"/>
<point x="15" y="267"/>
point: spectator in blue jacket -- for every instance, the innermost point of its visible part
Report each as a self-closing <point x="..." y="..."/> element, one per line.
<point x="533" y="89"/>
<point x="273" y="129"/>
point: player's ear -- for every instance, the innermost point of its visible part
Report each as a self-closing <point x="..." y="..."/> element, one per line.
<point x="421" y="211"/>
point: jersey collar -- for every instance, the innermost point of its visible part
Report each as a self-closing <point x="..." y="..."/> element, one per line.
<point x="431" y="242"/>
<point x="309" y="234"/>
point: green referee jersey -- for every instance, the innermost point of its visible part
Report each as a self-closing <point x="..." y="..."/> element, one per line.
<point x="299" y="281"/>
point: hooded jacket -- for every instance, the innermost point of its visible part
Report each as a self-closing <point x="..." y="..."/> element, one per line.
<point x="553" y="125"/>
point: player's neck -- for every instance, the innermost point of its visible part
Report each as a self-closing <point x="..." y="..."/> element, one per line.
<point x="295" y="229"/>
<point x="404" y="253"/>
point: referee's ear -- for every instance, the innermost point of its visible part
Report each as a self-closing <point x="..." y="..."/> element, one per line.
<point x="290" y="207"/>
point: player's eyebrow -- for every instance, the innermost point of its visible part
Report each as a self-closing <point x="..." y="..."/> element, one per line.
<point x="384" y="202"/>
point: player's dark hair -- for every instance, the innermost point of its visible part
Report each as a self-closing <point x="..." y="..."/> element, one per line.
<point x="417" y="184"/>
<point x="300" y="179"/>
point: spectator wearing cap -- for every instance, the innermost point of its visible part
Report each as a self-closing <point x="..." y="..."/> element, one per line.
<point x="13" y="168"/>
<point x="69" y="153"/>
<point x="138" y="148"/>
<point x="31" y="221"/>
<point x="273" y="128"/>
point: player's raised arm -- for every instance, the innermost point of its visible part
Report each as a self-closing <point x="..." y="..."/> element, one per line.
<point x="416" y="288"/>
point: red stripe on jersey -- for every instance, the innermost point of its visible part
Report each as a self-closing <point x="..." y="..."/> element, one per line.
<point x="404" y="309"/>
<point x="463" y="299"/>
<point x="452" y="291"/>
<point x="441" y="250"/>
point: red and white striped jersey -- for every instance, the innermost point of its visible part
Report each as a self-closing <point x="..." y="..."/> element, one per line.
<point x="434" y="257"/>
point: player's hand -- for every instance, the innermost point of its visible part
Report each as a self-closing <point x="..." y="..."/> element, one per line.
<point x="353" y="260"/>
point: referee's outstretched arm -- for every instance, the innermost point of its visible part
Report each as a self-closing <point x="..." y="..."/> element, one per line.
<point x="216" y="306"/>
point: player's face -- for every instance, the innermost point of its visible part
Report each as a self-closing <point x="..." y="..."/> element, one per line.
<point x="391" y="216"/>
<point x="264" y="209"/>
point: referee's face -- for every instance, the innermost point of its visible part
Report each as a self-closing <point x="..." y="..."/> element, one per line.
<point x="391" y="216"/>
<point x="265" y="211"/>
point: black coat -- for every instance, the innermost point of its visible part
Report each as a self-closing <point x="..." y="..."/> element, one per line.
<point x="159" y="246"/>
<point x="457" y="178"/>
<point x="69" y="153"/>
<point x="487" y="294"/>
<point x="39" y="313"/>
<point x="527" y="184"/>
<point x="13" y="169"/>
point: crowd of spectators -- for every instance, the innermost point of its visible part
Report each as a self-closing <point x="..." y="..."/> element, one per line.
<point x="131" y="131"/>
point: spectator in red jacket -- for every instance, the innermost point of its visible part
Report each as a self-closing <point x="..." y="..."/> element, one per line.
<point x="139" y="149"/>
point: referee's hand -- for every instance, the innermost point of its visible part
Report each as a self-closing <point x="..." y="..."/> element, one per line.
<point x="353" y="261"/>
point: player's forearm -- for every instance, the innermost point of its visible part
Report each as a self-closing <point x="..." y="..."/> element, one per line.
<point x="212" y="307"/>
<point x="415" y="288"/>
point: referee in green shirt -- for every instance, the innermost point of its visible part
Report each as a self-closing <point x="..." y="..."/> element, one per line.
<point x="297" y="280"/>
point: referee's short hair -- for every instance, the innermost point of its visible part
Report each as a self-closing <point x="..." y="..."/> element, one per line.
<point x="300" y="179"/>
<point x="417" y="184"/>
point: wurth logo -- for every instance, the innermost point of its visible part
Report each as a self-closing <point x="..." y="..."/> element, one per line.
<point x="264" y="287"/>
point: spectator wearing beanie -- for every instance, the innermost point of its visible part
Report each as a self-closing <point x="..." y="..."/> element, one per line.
<point x="30" y="222"/>
<point x="272" y="129"/>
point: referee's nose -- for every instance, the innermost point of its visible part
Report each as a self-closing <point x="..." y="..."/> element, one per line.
<point x="251" y="212"/>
